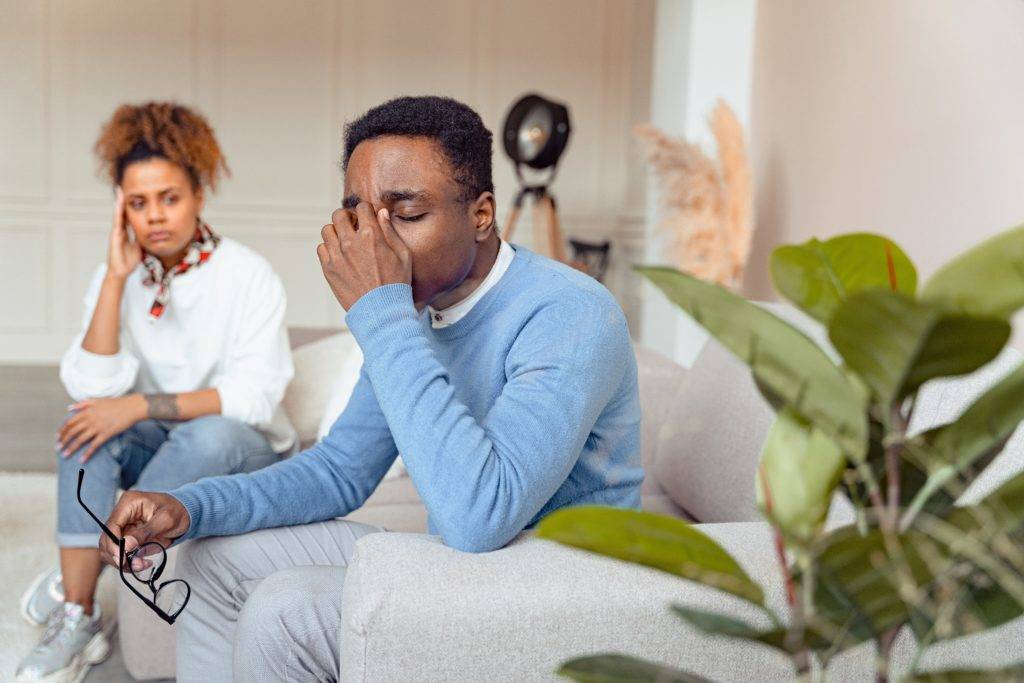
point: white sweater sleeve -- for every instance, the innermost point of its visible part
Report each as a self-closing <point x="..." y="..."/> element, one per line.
<point x="260" y="366"/>
<point x="92" y="375"/>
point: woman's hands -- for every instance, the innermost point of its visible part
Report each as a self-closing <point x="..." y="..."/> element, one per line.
<point x="96" y="420"/>
<point x="123" y="254"/>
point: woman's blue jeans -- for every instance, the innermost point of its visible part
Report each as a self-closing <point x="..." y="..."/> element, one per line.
<point x="153" y="455"/>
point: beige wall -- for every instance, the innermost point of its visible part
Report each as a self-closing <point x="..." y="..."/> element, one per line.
<point x="277" y="79"/>
<point x="904" y="117"/>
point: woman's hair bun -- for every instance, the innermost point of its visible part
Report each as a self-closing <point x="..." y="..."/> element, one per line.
<point x="165" y="130"/>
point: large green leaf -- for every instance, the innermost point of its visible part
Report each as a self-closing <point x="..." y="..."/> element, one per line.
<point x="615" y="668"/>
<point x="987" y="280"/>
<point x="716" y="624"/>
<point x="1008" y="674"/>
<point x="959" y="450"/>
<point x="800" y="467"/>
<point x="897" y="344"/>
<point x="657" y="541"/>
<point x="783" y="359"/>
<point x="817" y="276"/>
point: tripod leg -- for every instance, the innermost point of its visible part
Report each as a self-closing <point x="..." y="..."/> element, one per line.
<point x="541" y="244"/>
<point x="556" y="240"/>
<point x="510" y="222"/>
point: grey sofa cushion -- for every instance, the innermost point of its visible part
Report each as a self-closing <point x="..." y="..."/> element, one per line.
<point x="661" y="380"/>
<point x="317" y="364"/>
<point x="710" y="441"/>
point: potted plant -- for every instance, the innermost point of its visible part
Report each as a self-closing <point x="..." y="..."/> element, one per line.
<point x="914" y="559"/>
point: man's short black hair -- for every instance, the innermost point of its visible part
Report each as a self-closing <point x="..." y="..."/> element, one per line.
<point x="457" y="129"/>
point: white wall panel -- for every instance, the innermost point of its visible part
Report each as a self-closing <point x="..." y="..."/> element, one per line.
<point x="23" y="110"/>
<point x="274" y="105"/>
<point x="24" y="279"/>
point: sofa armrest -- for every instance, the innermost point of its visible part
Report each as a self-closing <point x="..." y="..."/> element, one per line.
<point x="414" y="609"/>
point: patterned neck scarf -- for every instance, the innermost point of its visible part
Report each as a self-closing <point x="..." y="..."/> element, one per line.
<point x="204" y="242"/>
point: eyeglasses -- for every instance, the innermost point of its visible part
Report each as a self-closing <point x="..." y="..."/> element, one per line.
<point x="169" y="597"/>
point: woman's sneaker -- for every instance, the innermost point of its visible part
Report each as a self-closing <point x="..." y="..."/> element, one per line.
<point x="71" y="643"/>
<point x="45" y="593"/>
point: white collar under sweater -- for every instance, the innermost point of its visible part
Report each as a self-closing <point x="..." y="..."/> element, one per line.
<point x="456" y="312"/>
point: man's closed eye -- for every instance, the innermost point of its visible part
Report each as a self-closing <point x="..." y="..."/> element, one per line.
<point x="411" y="219"/>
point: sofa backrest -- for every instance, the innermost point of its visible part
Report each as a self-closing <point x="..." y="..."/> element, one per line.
<point x="709" y="440"/>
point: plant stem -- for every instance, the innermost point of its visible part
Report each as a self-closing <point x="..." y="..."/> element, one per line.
<point x="898" y="426"/>
<point x="885" y="643"/>
<point x="795" y="640"/>
<point x="892" y="475"/>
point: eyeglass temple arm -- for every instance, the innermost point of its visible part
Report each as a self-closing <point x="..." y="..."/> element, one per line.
<point x="106" y="529"/>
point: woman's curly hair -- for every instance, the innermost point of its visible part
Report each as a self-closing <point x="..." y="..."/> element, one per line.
<point x="164" y="130"/>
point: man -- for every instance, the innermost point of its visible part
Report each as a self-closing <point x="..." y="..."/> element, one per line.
<point x="506" y="380"/>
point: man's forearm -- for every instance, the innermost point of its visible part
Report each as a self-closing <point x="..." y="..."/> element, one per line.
<point x="310" y="487"/>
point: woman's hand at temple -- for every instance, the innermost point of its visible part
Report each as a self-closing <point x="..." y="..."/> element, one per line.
<point x="123" y="254"/>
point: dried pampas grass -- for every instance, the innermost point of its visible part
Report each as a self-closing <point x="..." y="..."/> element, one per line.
<point x="708" y="206"/>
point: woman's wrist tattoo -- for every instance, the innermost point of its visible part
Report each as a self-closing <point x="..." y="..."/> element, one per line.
<point x="162" y="406"/>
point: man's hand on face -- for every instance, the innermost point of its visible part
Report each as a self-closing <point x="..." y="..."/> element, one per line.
<point x="361" y="252"/>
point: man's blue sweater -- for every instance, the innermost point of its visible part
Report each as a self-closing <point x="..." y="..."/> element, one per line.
<point x="527" y="404"/>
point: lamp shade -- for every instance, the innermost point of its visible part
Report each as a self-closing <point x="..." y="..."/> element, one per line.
<point x="536" y="131"/>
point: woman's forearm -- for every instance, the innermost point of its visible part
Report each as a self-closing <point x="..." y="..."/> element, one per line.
<point x="103" y="334"/>
<point x="185" y="406"/>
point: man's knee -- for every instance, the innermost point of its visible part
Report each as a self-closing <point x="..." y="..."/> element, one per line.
<point x="196" y="560"/>
<point x="187" y="562"/>
<point x="297" y="602"/>
<point x="294" y="591"/>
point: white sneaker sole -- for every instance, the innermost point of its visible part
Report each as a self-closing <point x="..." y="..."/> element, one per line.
<point x="26" y="597"/>
<point x="95" y="651"/>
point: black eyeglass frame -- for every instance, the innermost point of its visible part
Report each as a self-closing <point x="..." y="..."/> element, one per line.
<point x="157" y="572"/>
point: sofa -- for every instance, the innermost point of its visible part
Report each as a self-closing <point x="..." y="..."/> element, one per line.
<point x="416" y="610"/>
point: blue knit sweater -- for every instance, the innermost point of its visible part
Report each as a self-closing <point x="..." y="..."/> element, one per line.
<point x="527" y="404"/>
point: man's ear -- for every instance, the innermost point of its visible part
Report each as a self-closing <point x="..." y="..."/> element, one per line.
<point x="483" y="214"/>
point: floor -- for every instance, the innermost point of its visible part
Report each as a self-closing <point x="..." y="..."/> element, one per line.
<point x="32" y="404"/>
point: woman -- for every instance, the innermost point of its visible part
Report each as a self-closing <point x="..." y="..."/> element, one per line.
<point x="177" y="375"/>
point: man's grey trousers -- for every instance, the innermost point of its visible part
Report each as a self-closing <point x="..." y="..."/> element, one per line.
<point x="265" y="606"/>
